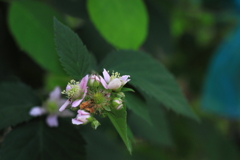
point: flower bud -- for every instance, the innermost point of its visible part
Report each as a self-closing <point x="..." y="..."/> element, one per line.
<point x="120" y="95"/>
<point x="94" y="81"/>
<point x="95" y="124"/>
<point x="117" y="103"/>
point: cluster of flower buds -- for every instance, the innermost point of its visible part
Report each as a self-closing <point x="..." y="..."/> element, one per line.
<point x="95" y="94"/>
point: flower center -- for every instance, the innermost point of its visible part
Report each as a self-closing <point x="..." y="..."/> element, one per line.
<point x="73" y="91"/>
<point x="114" y="75"/>
<point x="98" y="98"/>
<point x="51" y="107"/>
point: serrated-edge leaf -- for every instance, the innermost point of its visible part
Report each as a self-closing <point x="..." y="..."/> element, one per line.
<point x="74" y="56"/>
<point x="156" y="82"/>
<point x="36" y="140"/>
<point x="16" y="100"/>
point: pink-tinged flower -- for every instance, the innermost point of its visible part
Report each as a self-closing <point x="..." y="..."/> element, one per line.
<point x="82" y="117"/>
<point x="75" y="92"/>
<point x="114" y="81"/>
<point x="51" y="107"/>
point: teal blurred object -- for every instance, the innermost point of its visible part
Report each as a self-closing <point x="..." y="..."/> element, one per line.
<point x="221" y="91"/>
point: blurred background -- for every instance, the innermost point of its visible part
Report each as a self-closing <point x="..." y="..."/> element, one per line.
<point x="197" y="40"/>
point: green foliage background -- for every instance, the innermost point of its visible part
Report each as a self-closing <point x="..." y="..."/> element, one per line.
<point x="165" y="47"/>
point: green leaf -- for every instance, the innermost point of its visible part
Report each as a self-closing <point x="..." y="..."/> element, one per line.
<point x="31" y="24"/>
<point x="151" y="77"/>
<point x="73" y="54"/>
<point x="35" y="140"/>
<point x="148" y="120"/>
<point x="118" y="119"/>
<point x="122" y="23"/>
<point x="138" y="106"/>
<point x="16" y="100"/>
<point x="157" y="133"/>
<point x="124" y="89"/>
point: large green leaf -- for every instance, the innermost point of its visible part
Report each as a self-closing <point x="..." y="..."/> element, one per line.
<point x="32" y="27"/>
<point x="35" y="140"/>
<point x="138" y="106"/>
<point x="149" y="76"/>
<point x="122" y="23"/>
<point x="119" y="120"/>
<point x="149" y="121"/>
<point x="73" y="54"/>
<point x="16" y="100"/>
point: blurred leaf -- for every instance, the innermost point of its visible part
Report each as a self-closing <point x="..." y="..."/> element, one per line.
<point x="138" y="106"/>
<point x="158" y="132"/>
<point x="36" y="140"/>
<point x="150" y="76"/>
<point x="122" y="23"/>
<point x="118" y="119"/>
<point x="16" y="99"/>
<point x="52" y="79"/>
<point x="31" y="25"/>
<point x="124" y="89"/>
<point x="73" y="54"/>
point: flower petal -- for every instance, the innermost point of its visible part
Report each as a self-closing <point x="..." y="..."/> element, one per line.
<point x="37" y="111"/>
<point x="82" y="112"/>
<point x="76" y="102"/>
<point x="52" y="121"/>
<point x="55" y="94"/>
<point x="119" y="107"/>
<point x="115" y="84"/>
<point x="103" y="83"/>
<point x="124" y="78"/>
<point x="68" y="87"/>
<point x="64" y="105"/>
<point x="83" y="83"/>
<point x="75" y="121"/>
<point x="106" y="75"/>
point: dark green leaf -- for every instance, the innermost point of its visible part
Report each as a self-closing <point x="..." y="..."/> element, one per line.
<point x="138" y="106"/>
<point x="118" y="119"/>
<point x="150" y="76"/>
<point x="124" y="89"/>
<point x="16" y="100"/>
<point x="158" y="133"/>
<point x="73" y="54"/>
<point x="149" y="122"/>
<point x="32" y="27"/>
<point x="122" y="23"/>
<point x="37" y="141"/>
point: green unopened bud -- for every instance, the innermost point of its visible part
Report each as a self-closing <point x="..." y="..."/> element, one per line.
<point x="117" y="103"/>
<point x="94" y="81"/>
<point x="90" y="119"/>
<point x="120" y="95"/>
<point x="95" y="124"/>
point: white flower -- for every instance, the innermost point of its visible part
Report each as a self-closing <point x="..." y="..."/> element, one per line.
<point x="114" y="81"/>
<point x="51" y="107"/>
